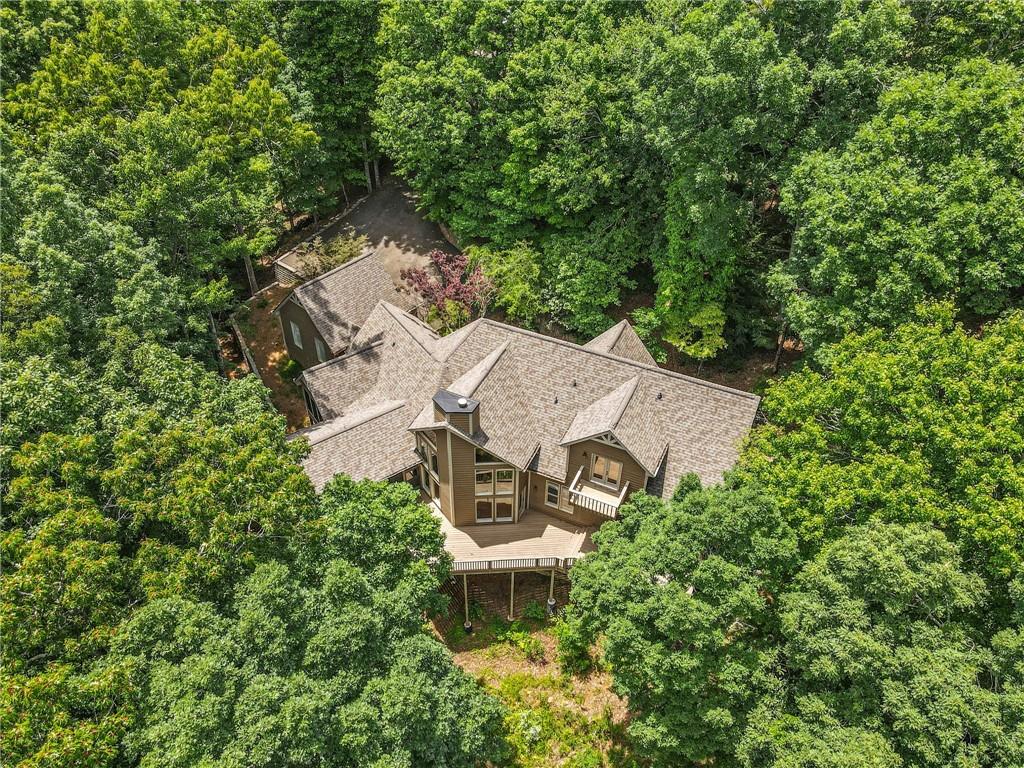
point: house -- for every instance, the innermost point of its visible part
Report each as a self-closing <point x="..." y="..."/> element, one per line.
<point x="321" y="316"/>
<point x="522" y="444"/>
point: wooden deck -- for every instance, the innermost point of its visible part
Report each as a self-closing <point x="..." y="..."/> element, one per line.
<point x="538" y="541"/>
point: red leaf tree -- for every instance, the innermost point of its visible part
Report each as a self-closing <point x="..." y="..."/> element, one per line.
<point x="452" y="285"/>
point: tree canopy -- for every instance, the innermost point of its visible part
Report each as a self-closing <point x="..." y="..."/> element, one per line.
<point x="738" y="156"/>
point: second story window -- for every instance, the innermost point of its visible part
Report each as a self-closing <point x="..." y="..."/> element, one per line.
<point x="606" y="471"/>
<point x="296" y="334"/>
<point x="551" y="494"/>
<point x="504" y="481"/>
<point x="428" y="453"/>
<point x="484" y="483"/>
<point x="483" y="457"/>
<point x="321" y="350"/>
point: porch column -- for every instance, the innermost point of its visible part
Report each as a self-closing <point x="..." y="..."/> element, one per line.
<point x="467" y="625"/>
<point x="512" y="598"/>
<point x="551" y="594"/>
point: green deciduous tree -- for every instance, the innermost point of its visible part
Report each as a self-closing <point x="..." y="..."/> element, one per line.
<point x="323" y="662"/>
<point x="878" y="643"/>
<point x="923" y="423"/>
<point x="682" y="595"/>
<point x="926" y="201"/>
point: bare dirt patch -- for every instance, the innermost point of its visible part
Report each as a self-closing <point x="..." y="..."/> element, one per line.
<point x="262" y="334"/>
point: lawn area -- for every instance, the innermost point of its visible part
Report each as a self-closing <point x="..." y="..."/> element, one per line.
<point x="554" y="719"/>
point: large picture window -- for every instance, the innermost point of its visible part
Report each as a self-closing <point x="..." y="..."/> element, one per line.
<point x="606" y="471"/>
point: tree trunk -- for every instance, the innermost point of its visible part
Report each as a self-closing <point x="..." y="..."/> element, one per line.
<point x="778" y="348"/>
<point x="366" y="166"/>
<point x="376" y="171"/>
<point x="216" y="344"/>
<point x="251" y="274"/>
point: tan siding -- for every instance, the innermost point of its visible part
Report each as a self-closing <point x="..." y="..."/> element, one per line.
<point x="459" y="421"/>
<point x="440" y="438"/>
<point x="464" y="470"/>
<point x="631" y="471"/>
<point x="306" y="357"/>
<point x="538" y="494"/>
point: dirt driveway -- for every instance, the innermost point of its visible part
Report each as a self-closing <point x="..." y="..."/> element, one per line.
<point x="389" y="220"/>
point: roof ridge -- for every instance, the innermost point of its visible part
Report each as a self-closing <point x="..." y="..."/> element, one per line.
<point x="395" y="311"/>
<point x="338" y="268"/>
<point x="624" y="360"/>
<point x="635" y="381"/>
<point x="488" y="366"/>
<point x="622" y="329"/>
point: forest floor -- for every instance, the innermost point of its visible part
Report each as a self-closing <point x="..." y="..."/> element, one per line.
<point x="553" y="719"/>
<point x="262" y="333"/>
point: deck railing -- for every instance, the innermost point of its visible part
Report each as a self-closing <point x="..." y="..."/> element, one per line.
<point x="516" y="564"/>
<point x="579" y="496"/>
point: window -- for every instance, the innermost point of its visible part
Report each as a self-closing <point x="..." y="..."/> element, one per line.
<point x="426" y="451"/>
<point x="321" y="350"/>
<point x="504" y="480"/>
<point x="551" y="495"/>
<point x="311" y="409"/>
<point x="503" y="509"/>
<point x="606" y="471"/>
<point x="484" y="483"/>
<point x="484" y="510"/>
<point x="483" y="457"/>
<point x="296" y="334"/>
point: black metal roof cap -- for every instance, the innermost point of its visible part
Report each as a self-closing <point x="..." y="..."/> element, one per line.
<point x="449" y="402"/>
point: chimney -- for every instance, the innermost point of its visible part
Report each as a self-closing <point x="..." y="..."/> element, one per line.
<point x="458" y="410"/>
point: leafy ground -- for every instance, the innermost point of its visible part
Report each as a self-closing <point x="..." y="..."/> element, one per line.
<point x="262" y="332"/>
<point x="554" y="719"/>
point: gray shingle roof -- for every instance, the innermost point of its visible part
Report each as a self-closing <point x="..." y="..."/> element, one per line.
<point x="536" y="394"/>
<point x="621" y="340"/>
<point x="339" y="301"/>
<point x="372" y="443"/>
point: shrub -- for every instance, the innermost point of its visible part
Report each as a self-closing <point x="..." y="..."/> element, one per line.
<point x="289" y="369"/>
<point x="535" y="611"/>
<point x="317" y="257"/>
<point x="574" y="655"/>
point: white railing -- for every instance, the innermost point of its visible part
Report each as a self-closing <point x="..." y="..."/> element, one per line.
<point x="580" y="497"/>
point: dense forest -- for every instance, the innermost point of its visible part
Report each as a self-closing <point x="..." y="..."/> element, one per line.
<point x="174" y="592"/>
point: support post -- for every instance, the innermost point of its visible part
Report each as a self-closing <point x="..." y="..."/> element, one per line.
<point x="512" y="598"/>
<point x="467" y="625"/>
<point x="551" y="594"/>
